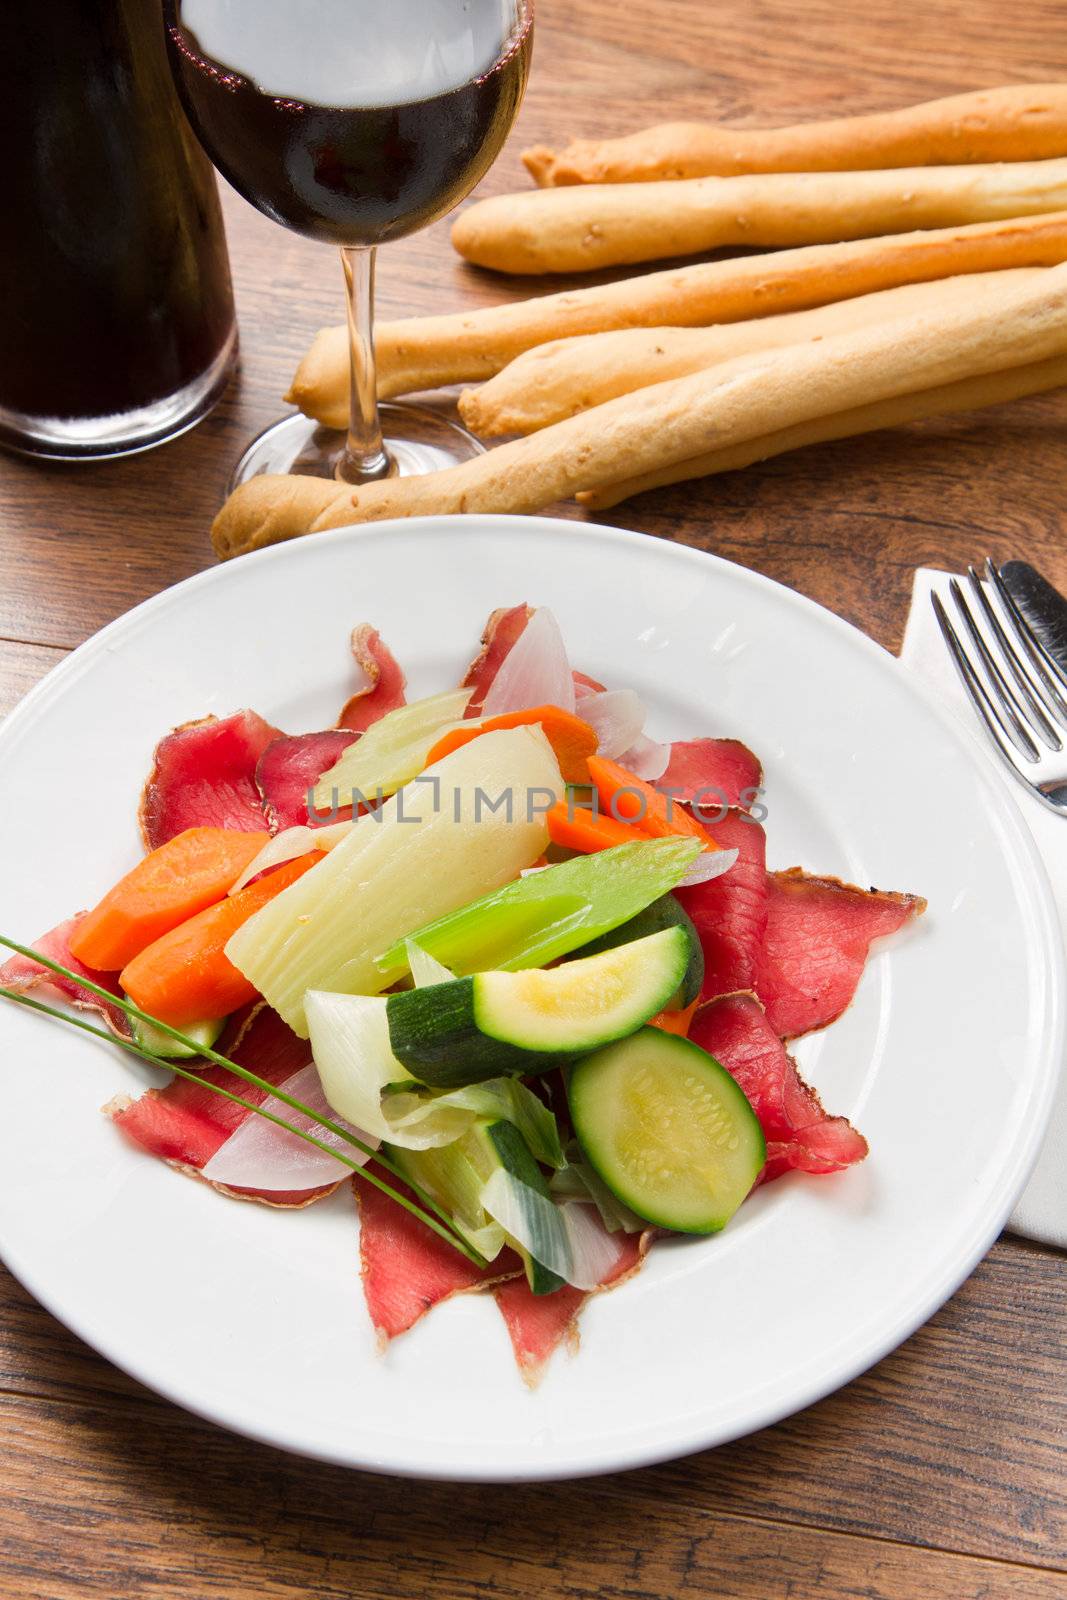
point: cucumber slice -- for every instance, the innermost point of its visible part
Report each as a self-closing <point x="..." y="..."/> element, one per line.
<point x="161" y="1044"/>
<point x="666" y="912"/>
<point x="523" y="1022"/>
<point x="668" y="1130"/>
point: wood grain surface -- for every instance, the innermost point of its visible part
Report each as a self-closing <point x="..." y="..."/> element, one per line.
<point x="938" y="1473"/>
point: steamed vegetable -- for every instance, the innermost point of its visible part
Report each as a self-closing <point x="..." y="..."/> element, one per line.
<point x="501" y="1149"/>
<point x="629" y="798"/>
<point x="435" y="846"/>
<point x="200" y="1034"/>
<point x="667" y="1129"/>
<point x="525" y="1022"/>
<point x="573" y="740"/>
<point x="187" y="975"/>
<point x="391" y="752"/>
<point x="537" y="919"/>
<point x="666" y="912"/>
<point x="188" y="873"/>
<point x="574" y="828"/>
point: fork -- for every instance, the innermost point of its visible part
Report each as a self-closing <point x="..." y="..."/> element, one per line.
<point x="1014" y="683"/>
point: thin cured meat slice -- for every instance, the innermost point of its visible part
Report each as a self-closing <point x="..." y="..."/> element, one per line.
<point x="186" y="1123"/>
<point x="730" y="912"/>
<point x="292" y="765"/>
<point x="818" y="935"/>
<point x="24" y="975"/>
<point x="799" y="1133"/>
<point x="713" y="773"/>
<point x="204" y="776"/>
<point x="386" y="685"/>
<point x="407" y="1269"/>
<point x="538" y="1324"/>
<point x="502" y="631"/>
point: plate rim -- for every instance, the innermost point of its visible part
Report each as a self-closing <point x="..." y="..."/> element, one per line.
<point x="1034" y="887"/>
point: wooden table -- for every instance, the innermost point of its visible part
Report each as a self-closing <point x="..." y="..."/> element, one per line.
<point x="940" y="1472"/>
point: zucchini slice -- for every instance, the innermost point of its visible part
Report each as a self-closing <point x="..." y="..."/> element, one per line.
<point x="523" y="1022"/>
<point x="668" y="1129"/>
<point x="666" y="912"/>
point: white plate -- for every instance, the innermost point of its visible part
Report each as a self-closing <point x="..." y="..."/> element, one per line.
<point x="946" y="1059"/>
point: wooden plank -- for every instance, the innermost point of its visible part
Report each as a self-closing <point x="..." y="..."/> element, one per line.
<point x="95" y="1501"/>
<point x="21" y="666"/>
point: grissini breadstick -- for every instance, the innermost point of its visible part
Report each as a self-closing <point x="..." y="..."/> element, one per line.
<point x="677" y="421"/>
<point x="968" y="394"/>
<point x="1022" y="122"/>
<point x="565" y="376"/>
<point x="610" y="225"/>
<point x="466" y="346"/>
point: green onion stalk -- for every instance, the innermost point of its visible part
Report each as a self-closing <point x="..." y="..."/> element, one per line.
<point x="427" y="1211"/>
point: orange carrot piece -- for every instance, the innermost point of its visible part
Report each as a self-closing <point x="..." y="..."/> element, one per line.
<point x="576" y="829"/>
<point x="675" y="1021"/>
<point x="573" y="740"/>
<point x="184" y="876"/>
<point x="186" y="976"/>
<point x="656" y="815"/>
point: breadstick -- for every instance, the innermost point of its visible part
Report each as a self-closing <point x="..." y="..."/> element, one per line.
<point x="1023" y="122"/>
<point x="677" y="421"/>
<point x="968" y="394"/>
<point x="565" y="376"/>
<point x="466" y="346"/>
<point x="608" y="225"/>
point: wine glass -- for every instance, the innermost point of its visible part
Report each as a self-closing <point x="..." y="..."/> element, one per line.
<point x="354" y="122"/>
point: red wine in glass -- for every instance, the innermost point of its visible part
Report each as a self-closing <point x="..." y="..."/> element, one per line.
<point x="353" y="122"/>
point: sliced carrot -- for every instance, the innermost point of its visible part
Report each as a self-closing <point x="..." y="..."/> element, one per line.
<point x="675" y="1021"/>
<point x="186" y="976"/>
<point x="630" y="798"/>
<point x="576" y="829"/>
<point x="573" y="740"/>
<point x="188" y="873"/>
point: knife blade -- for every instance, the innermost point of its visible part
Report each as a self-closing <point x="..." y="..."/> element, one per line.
<point x="1043" y="606"/>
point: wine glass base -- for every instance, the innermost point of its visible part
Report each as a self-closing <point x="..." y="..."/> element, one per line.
<point x="417" y="440"/>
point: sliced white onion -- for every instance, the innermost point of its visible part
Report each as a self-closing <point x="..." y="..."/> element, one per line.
<point x="350" y="1041"/>
<point x="260" y="1155"/>
<point x="646" y="759"/>
<point x="425" y="969"/>
<point x="288" y="845"/>
<point x="617" y="717"/>
<point x="535" y="671"/>
<point x="707" y="865"/>
<point x="569" y="1240"/>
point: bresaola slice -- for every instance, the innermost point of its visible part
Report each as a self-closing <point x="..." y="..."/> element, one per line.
<point x="713" y="773"/>
<point x="538" y="1324"/>
<point x="816" y="942"/>
<point x="204" y="776"/>
<point x="292" y="765"/>
<point x="386" y="685"/>
<point x="24" y="976"/>
<point x="186" y="1124"/>
<point x="799" y="1133"/>
<point x="407" y="1269"/>
<point x="502" y="631"/>
<point x="730" y="912"/>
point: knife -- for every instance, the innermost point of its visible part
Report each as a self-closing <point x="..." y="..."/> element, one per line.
<point x="1044" y="608"/>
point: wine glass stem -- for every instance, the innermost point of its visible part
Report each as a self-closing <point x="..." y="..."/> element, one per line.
<point x="364" y="457"/>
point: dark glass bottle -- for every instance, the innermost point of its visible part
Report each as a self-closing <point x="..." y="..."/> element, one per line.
<point x="117" y="325"/>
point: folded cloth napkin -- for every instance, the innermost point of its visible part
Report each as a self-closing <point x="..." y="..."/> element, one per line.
<point x="1042" y="1211"/>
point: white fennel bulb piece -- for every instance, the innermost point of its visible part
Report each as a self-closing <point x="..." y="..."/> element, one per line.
<point x="391" y="752"/>
<point x="535" y="671"/>
<point x="467" y="826"/>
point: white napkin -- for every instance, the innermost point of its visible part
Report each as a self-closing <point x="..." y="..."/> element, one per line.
<point x="1042" y="1212"/>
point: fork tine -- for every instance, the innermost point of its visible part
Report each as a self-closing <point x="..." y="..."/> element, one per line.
<point x="1028" y="690"/>
<point x="1044" y="663"/>
<point x="1011" y="715"/>
<point x="975" y="690"/>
